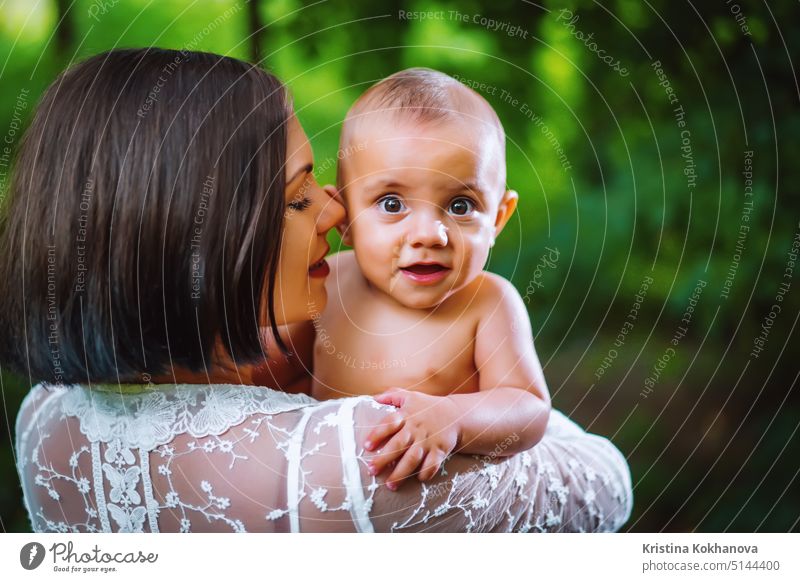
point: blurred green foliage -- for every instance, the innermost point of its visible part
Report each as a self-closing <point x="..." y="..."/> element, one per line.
<point x="596" y="156"/>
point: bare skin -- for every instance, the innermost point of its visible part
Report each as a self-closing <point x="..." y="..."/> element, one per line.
<point x="470" y="374"/>
<point x="368" y="343"/>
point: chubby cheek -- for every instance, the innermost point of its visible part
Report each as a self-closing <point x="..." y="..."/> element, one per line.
<point x="377" y="251"/>
<point x="472" y="250"/>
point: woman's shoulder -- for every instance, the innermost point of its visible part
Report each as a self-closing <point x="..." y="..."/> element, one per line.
<point x="147" y="416"/>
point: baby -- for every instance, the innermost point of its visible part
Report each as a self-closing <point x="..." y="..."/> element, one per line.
<point x="412" y="317"/>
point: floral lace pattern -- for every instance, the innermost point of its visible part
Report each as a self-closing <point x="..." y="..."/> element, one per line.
<point x="239" y="458"/>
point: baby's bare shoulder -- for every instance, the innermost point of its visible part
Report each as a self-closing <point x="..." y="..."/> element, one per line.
<point x="342" y="282"/>
<point x="492" y="289"/>
<point x="501" y="307"/>
<point x="342" y="261"/>
<point x="343" y="269"/>
<point x="481" y="296"/>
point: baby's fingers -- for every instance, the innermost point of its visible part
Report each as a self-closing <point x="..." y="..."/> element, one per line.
<point x="390" y="424"/>
<point x="393" y="450"/>
<point x="406" y="467"/>
<point x="393" y="397"/>
<point x="431" y="465"/>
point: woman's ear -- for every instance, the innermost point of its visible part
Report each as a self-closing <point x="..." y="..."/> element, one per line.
<point x="508" y="204"/>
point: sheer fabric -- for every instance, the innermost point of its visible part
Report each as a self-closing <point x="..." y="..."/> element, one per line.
<point x="218" y="458"/>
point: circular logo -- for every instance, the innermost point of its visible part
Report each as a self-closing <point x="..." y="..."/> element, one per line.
<point x="31" y="555"/>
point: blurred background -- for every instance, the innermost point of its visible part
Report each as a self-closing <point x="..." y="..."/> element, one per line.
<point x="655" y="149"/>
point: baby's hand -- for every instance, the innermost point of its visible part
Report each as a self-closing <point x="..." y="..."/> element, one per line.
<point x="424" y="431"/>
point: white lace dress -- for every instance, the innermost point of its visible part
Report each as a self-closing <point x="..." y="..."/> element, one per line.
<point x="239" y="458"/>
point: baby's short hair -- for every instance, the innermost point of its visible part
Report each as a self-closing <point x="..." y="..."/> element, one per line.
<point x="423" y="95"/>
<point x="420" y="95"/>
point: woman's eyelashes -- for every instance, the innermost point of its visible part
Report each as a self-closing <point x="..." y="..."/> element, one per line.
<point x="301" y="200"/>
<point x="300" y="204"/>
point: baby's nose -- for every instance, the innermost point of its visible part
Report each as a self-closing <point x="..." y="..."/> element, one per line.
<point x="428" y="233"/>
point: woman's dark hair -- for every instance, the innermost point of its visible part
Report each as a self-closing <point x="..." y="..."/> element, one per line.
<point x="144" y="218"/>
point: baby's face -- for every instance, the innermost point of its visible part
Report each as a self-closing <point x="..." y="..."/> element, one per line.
<point x="424" y="204"/>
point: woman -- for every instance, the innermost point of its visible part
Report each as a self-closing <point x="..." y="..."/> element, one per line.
<point x="162" y="214"/>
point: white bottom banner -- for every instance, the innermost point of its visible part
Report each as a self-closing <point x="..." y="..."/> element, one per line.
<point x="400" y="557"/>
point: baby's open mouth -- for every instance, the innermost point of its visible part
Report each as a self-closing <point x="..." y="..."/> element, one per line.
<point x="425" y="273"/>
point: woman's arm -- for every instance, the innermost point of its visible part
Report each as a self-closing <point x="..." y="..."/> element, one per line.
<point x="306" y="471"/>
<point x="571" y="481"/>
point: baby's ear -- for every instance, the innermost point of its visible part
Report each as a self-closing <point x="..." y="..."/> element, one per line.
<point x="345" y="232"/>
<point x="508" y="204"/>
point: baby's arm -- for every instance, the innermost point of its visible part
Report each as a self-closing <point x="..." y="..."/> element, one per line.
<point x="513" y="400"/>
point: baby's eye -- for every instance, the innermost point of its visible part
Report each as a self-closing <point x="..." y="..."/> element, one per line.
<point x="391" y="205"/>
<point x="461" y="206"/>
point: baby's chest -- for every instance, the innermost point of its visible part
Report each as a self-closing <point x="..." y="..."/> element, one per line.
<point x="433" y="357"/>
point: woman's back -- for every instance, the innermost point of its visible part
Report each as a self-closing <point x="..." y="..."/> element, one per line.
<point x="240" y="458"/>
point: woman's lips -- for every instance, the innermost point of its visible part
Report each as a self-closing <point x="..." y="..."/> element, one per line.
<point x="425" y="274"/>
<point x="319" y="270"/>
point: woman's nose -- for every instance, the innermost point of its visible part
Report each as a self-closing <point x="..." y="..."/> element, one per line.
<point x="428" y="232"/>
<point x="332" y="212"/>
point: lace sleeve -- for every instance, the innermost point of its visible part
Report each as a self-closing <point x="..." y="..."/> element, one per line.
<point x="571" y="481"/>
<point x="242" y="459"/>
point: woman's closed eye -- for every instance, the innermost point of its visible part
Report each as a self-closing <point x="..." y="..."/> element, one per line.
<point x="300" y="201"/>
<point x="300" y="204"/>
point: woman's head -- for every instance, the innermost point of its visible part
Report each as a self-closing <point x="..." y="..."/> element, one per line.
<point x="147" y="220"/>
